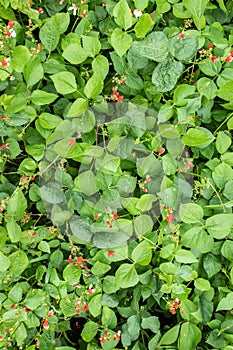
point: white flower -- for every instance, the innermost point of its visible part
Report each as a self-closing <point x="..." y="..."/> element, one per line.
<point x="137" y="13"/>
<point x="11" y="33"/>
<point x="73" y="8"/>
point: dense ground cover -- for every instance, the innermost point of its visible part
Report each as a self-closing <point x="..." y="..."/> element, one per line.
<point x="116" y="179"/>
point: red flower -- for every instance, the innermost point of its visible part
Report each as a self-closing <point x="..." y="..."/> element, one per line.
<point x="11" y="23"/>
<point x="102" y="339"/>
<point x="148" y="178"/>
<point x="30" y="3"/>
<point x="172" y="311"/>
<point x="2" y="117"/>
<point x="181" y="36"/>
<point x="211" y="46"/>
<point x="25" y="309"/>
<point x="96" y="217"/>
<point x="85" y="307"/>
<point x="12" y="306"/>
<point x="40" y="10"/>
<point x="6" y="145"/>
<point x="70" y="260"/>
<point x="117" y="336"/>
<point x="214" y="59"/>
<point x="4" y="62"/>
<point x="145" y="190"/>
<point x="50" y="313"/>
<point x="111" y="254"/>
<point x="84" y="13"/>
<point x="45" y="324"/>
<point x="1" y="337"/>
<point x="229" y="59"/>
<point x="170" y="217"/>
<point x="176" y="303"/>
<point x="71" y="142"/>
<point x="161" y="150"/>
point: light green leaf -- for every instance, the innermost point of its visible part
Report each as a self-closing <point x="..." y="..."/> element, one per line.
<point x="183" y="48"/>
<point x="122" y="14"/>
<point x="4" y="262"/>
<point x="71" y="274"/>
<point x="64" y="82"/>
<point x="75" y="54"/>
<point x="154" y="46"/>
<point x="185" y="256"/>
<point x="19" y="262"/>
<point x="21" y="56"/>
<point x="222" y="174"/>
<point x="94" y="86"/>
<point x="120" y="41"/>
<point x="49" y="121"/>
<point x="220" y="226"/>
<point x="100" y="65"/>
<point x="40" y="97"/>
<point x="77" y="108"/>
<point x="166" y="74"/>
<point x="226" y="91"/>
<point x="49" y="35"/>
<point x="207" y="88"/>
<point x="196" y="7"/>
<point x="143" y="224"/>
<point x="227" y="250"/>
<point x="34" y="298"/>
<point x="223" y="142"/>
<point x="226" y="303"/>
<point x="91" y="45"/>
<point x="126" y="276"/>
<point x="140" y="4"/>
<point x="202" y="284"/>
<point x="190" y="336"/>
<point x="17" y="205"/>
<point x="142" y="253"/>
<point x="190" y="213"/>
<point x="182" y="94"/>
<point x="33" y="71"/>
<point x="61" y="21"/>
<point x="143" y="25"/>
<point x="199" y="137"/>
<point x="14" y="231"/>
<point x="89" y="331"/>
<point x="170" y="336"/>
<point x="95" y="305"/>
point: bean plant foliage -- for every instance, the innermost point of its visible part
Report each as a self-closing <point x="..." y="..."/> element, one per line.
<point x="116" y="179"/>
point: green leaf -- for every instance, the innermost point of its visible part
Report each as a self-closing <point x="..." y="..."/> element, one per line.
<point x="109" y="318"/>
<point x="78" y="108"/>
<point x="210" y="68"/>
<point x="14" y="231"/>
<point x="94" y="86"/>
<point x="75" y="54"/>
<point x="120" y="41"/>
<point x="222" y="174"/>
<point x="49" y="121"/>
<point x="227" y="250"/>
<point x="199" y="137"/>
<point x="152" y="323"/>
<point x="185" y="256"/>
<point x="183" y="48"/>
<point x="142" y="253"/>
<point x="197" y="238"/>
<point x="100" y="65"/>
<point x="223" y="142"/>
<point x="89" y="331"/>
<point x="190" y="336"/>
<point x="143" y="224"/>
<point x="140" y="4"/>
<point x="226" y="303"/>
<point x="17" y="205"/>
<point x="44" y="247"/>
<point x="49" y="35"/>
<point x="64" y="82"/>
<point x="220" y="226"/>
<point x="40" y="97"/>
<point x="126" y="276"/>
<point x="99" y="268"/>
<point x="19" y="262"/>
<point x="226" y="91"/>
<point x="143" y="25"/>
<point x="190" y="213"/>
<point x="196" y="8"/>
<point x="33" y="71"/>
<point x="169" y="165"/>
<point x="202" y="284"/>
<point x="91" y="45"/>
<point x="122" y="14"/>
<point x="182" y="94"/>
<point x="34" y="298"/>
<point x="61" y="21"/>
<point x="87" y="183"/>
<point x="21" y="56"/>
<point x="166" y="74"/>
<point x="170" y="336"/>
<point x="211" y="264"/>
<point x="154" y="46"/>
<point x="95" y="305"/>
<point x="4" y="262"/>
<point x="207" y="88"/>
